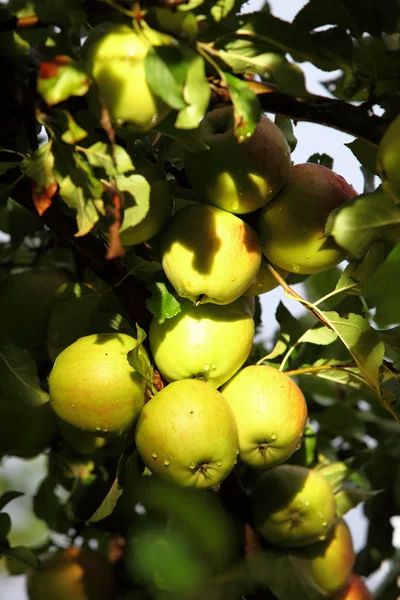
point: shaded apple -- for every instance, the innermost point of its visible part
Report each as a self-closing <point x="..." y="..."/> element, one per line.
<point x="264" y="281"/>
<point x="355" y="589"/>
<point x="239" y="177"/>
<point x="187" y="434"/>
<point x="207" y="341"/>
<point x="77" y="573"/>
<point x="388" y="160"/>
<point x="209" y="255"/>
<point x="293" y="506"/>
<point x="271" y="414"/>
<point x="332" y="561"/>
<point x="115" y="58"/>
<point x="94" y="388"/>
<point x="292" y="226"/>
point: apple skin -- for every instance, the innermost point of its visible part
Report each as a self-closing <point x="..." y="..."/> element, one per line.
<point x="187" y="435"/>
<point x="293" y="506"/>
<point x="115" y="57"/>
<point x="76" y="573"/>
<point x="209" y="255"/>
<point x="209" y="341"/>
<point x="264" y="281"/>
<point x="332" y="561"/>
<point x="161" y="203"/>
<point x="239" y="177"/>
<point x="25" y="303"/>
<point x="292" y="226"/>
<point x="93" y="387"/>
<point x="270" y="412"/>
<point x="388" y="160"/>
<point x="355" y="589"/>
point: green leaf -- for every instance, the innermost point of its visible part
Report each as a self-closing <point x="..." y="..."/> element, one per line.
<point x="350" y="497"/>
<point x="222" y="9"/>
<point x="161" y="75"/>
<point x="48" y="506"/>
<point x="355" y="227"/>
<point x="246" y="106"/>
<point x="19" y="382"/>
<point x="136" y="191"/>
<point x="383" y="289"/>
<point x="162" y="304"/>
<point x="320" y="335"/>
<point x="321" y="159"/>
<point x="5" y="525"/>
<point x="363" y="343"/>
<point x="138" y="358"/>
<point x="9" y="497"/>
<point x="103" y="155"/>
<point x="365" y="153"/>
<point x="64" y="123"/>
<point x="191" y="139"/>
<point x="142" y="269"/>
<point x="335" y="474"/>
<point x="305" y="455"/>
<point x="106" y="508"/>
<point x="18" y="555"/>
<point x="86" y="212"/>
<point x="7" y="166"/>
<point x="61" y="78"/>
<point x="40" y="165"/>
<point x="342" y="421"/>
<point x="196" y="92"/>
<point x="286" y="126"/>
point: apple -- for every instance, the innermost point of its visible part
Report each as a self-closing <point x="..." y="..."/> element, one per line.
<point x="332" y="561"/>
<point x="80" y="441"/>
<point x="209" y="255"/>
<point x="264" y="281"/>
<point x="161" y="202"/>
<point x="25" y="305"/>
<point x="293" y="506"/>
<point x="77" y="573"/>
<point x="355" y="589"/>
<point x="270" y="412"/>
<point x="115" y="57"/>
<point x="388" y="160"/>
<point x="239" y="177"/>
<point x="93" y="387"/>
<point x="292" y="226"/>
<point x="187" y="435"/>
<point x="208" y="341"/>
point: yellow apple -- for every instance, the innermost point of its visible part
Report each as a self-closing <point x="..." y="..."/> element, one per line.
<point x="293" y="506"/>
<point x="292" y="226"/>
<point x="207" y="341"/>
<point x="238" y="177"/>
<point x="74" y="573"/>
<point x="209" y="255"/>
<point x="270" y="412"/>
<point x="93" y="387"/>
<point x="388" y="160"/>
<point x="115" y="56"/>
<point x="187" y="434"/>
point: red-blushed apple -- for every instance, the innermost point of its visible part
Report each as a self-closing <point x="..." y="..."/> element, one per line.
<point x="93" y="387"/>
<point x="239" y="177"/>
<point x="293" y="506"/>
<point x="209" y="255"/>
<point x="271" y="414"/>
<point x="292" y="226"/>
<point x="208" y="341"/>
<point x="332" y="561"/>
<point x="115" y="58"/>
<point x="72" y="574"/>
<point x="355" y="589"/>
<point x="187" y="435"/>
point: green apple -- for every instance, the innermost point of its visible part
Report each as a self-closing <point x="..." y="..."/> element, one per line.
<point x="270" y="412"/>
<point x="388" y="160"/>
<point x="355" y="589"/>
<point x="187" y="434"/>
<point x="115" y="58"/>
<point x="161" y="201"/>
<point x="332" y="561"/>
<point x="93" y="387"/>
<point x="209" y="255"/>
<point x="292" y="226"/>
<point x="207" y="341"/>
<point x="293" y="506"/>
<point x="25" y="305"/>
<point x="239" y="177"/>
<point x="77" y="573"/>
<point x="264" y="281"/>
